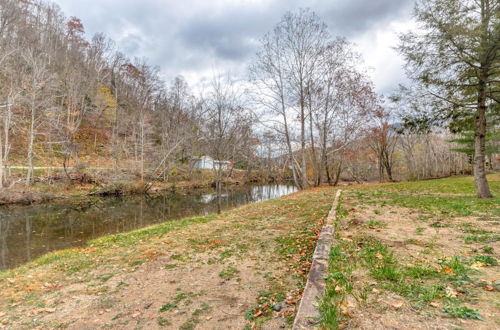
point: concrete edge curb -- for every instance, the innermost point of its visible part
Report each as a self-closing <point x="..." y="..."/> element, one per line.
<point x="308" y="313"/>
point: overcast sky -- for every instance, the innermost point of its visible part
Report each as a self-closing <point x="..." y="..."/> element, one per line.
<point x="196" y="38"/>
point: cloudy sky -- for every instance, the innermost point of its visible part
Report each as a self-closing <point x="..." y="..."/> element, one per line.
<point x="196" y="38"/>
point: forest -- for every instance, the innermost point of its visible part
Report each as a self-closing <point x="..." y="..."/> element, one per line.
<point x="308" y="112"/>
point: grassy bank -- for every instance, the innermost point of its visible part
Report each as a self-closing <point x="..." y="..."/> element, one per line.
<point x="242" y="269"/>
<point x="415" y="255"/>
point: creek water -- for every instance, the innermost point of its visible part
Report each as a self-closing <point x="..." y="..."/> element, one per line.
<point x="28" y="231"/>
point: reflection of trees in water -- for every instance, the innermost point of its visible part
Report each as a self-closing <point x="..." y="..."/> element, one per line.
<point x="29" y="229"/>
<point x="4" y="229"/>
<point x="61" y="225"/>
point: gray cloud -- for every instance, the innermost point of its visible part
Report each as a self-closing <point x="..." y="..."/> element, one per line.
<point x="194" y="36"/>
<point x="349" y="18"/>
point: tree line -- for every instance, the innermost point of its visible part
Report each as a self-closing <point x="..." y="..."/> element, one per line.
<point x="308" y="111"/>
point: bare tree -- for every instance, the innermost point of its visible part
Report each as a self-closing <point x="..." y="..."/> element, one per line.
<point x="226" y="123"/>
<point x="38" y="85"/>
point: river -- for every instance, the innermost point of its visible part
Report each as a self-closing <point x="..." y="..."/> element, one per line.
<point x="27" y="232"/>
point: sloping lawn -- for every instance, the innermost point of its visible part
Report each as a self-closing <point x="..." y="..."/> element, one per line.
<point x="220" y="271"/>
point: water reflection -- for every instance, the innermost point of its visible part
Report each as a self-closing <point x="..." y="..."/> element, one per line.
<point x="27" y="232"/>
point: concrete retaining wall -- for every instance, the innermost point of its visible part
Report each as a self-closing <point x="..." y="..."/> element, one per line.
<point x="308" y="314"/>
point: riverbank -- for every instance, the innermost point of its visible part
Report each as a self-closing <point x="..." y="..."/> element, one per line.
<point x="105" y="183"/>
<point x="201" y="272"/>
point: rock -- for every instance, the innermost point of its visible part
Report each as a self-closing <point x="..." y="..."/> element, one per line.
<point x="277" y="307"/>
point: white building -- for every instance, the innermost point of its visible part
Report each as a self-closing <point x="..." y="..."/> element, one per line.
<point x="208" y="163"/>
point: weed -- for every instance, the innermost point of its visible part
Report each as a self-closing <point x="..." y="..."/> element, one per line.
<point x="203" y="308"/>
<point x="487" y="249"/>
<point x="457" y="265"/>
<point x="439" y="224"/>
<point x="189" y="325"/>
<point x="226" y="254"/>
<point x="374" y="224"/>
<point x="489" y="260"/>
<point x="170" y="266"/>
<point x="181" y="296"/>
<point x="487" y="238"/>
<point x="163" y="322"/>
<point x="228" y="273"/>
<point x="386" y="272"/>
<point x="462" y="312"/>
<point x="477" y="231"/>
<point x="167" y="307"/>
<point x="420" y="272"/>
<point x="136" y="263"/>
<point x="419" y="230"/>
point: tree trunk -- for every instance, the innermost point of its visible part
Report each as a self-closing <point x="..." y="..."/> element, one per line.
<point x="337" y="174"/>
<point x="482" y="188"/>
<point x="1" y="163"/>
<point x="30" y="143"/>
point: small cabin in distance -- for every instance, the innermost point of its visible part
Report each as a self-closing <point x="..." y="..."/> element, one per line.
<point x="208" y="163"/>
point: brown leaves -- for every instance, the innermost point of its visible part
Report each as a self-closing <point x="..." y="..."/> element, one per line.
<point x="43" y="310"/>
<point x="51" y="286"/>
<point x="257" y="312"/>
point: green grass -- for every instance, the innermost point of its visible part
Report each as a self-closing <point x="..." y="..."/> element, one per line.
<point x="338" y="286"/>
<point x="428" y="196"/>
<point x="422" y="284"/>
<point x="462" y="185"/>
<point x="229" y="273"/>
<point x="462" y="312"/>
<point x="133" y="237"/>
<point x="488" y="260"/>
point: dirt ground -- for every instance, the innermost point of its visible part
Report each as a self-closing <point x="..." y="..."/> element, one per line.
<point x="243" y="269"/>
<point x="422" y="239"/>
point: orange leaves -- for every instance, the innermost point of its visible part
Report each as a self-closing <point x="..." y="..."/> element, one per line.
<point x="150" y="253"/>
<point x="447" y="270"/>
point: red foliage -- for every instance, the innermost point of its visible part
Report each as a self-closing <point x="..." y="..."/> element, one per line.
<point x="75" y="28"/>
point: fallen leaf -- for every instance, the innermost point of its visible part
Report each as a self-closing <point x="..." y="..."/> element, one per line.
<point x="448" y="270"/>
<point x="477" y="265"/>
<point x="434" y="304"/>
<point x="136" y="314"/>
<point x="450" y="292"/>
<point x="344" y="309"/>
<point x="398" y="304"/>
<point x="488" y="288"/>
